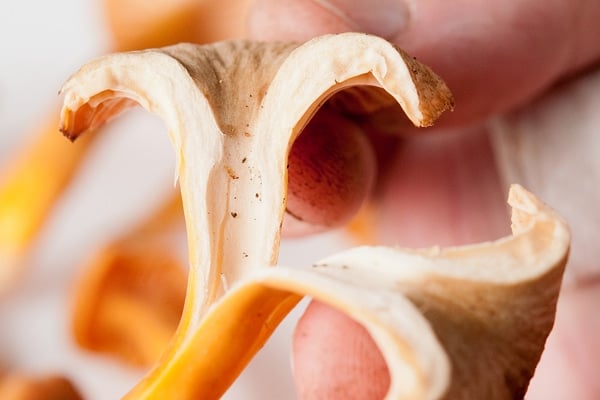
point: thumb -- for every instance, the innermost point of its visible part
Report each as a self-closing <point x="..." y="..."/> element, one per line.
<point x="494" y="55"/>
<point x="303" y="19"/>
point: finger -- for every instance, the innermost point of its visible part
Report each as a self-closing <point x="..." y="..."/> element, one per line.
<point x="440" y="190"/>
<point x="331" y="169"/>
<point x="493" y="55"/>
<point x="568" y="368"/>
<point x="304" y="19"/>
<point x="331" y="351"/>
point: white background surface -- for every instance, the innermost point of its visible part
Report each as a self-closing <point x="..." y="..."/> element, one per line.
<point x="41" y="43"/>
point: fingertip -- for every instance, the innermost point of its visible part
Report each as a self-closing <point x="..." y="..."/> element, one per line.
<point x="331" y="171"/>
<point x="334" y="357"/>
<point x="293" y="20"/>
<point x="474" y="46"/>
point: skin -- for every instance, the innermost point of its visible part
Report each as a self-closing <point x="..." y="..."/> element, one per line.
<point x="327" y="194"/>
<point x="516" y="50"/>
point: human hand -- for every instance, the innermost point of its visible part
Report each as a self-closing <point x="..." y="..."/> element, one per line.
<point x="446" y="189"/>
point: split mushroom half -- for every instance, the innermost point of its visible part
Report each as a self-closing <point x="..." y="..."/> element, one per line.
<point x="38" y="173"/>
<point x="458" y="323"/>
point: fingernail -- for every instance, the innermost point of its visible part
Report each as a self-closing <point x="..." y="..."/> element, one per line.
<point x="385" y="18"/>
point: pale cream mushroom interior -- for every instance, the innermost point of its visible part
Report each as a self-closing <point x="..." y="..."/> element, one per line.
<point x="458" y="323"/>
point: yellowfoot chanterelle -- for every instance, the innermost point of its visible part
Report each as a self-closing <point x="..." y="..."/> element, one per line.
<point x="458" y="323"/>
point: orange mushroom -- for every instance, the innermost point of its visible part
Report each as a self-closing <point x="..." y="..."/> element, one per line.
<point x="14" y="386"/>
<point x="129" y="298"/>
<point x="29" y="186"/>
<point x="137" y="24"/>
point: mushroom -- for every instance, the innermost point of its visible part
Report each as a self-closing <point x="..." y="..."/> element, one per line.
<point x="129" y="297"/>
<point x="29" y="185"/>
<point x="135" y="25"/>
<point x="37" y="174"/>
<point x="17" y="386"/>
<point x="466" y="322"/>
